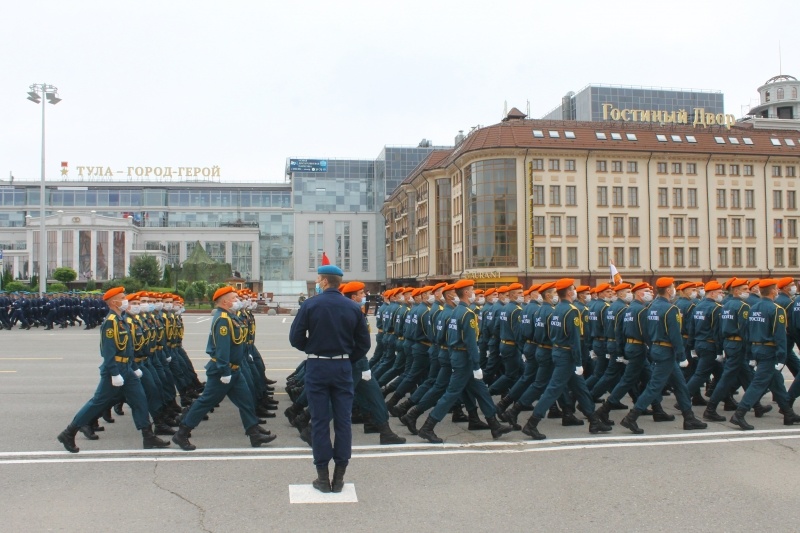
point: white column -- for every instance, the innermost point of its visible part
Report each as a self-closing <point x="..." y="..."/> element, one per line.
<point x="110" y="253"/>
<point x="59" y="245"/>
<point x="76" y="250"/>
<point x="93" y="253"/>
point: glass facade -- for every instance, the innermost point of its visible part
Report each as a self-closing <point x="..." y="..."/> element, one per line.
<point x="491" y="213"/>
<point x="444" y="228"/>
<point x="394" y="164"/>
<point x="347" y="186"/>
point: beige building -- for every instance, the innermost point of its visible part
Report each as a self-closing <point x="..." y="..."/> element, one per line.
<point x="527" y="200"/>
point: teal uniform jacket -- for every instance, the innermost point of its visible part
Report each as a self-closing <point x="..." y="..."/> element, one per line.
<point x="685" y="305"/>
<point x="766" y="326"/>
<point x="509" y="322"/>
<point x="633" y="328"/>
<point x="420" y="322"/>
<point x="225" y="337"/>
<point x="116" y="346"/>
<point x="441" y="325"/>
<point x="613" y="313"/>
<point x="566" y="330"/>
<point x="707" y="326"/>
<point x="462" y="334"/>
<point x="597" y="318"/>
<point x="541" y="326"/>
<point x="526" y="321"/>
<point x="664" y="330"/>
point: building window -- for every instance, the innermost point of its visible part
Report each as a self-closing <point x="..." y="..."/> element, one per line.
<point x="571" y="196"/>
<point x="491" y="213"/>
<point x="748" y="170"/>
<point x="555" y="226"/>
<point x="791" y="199"/>
<point x="676" y="168"/>
<point x="751" y="257"/>
<point x="691" y="168"/>
<point x="778" y="225"/>
<point x="572" y="226"/>
<point x="242" y="258"/>
<point x="734" y="170"/>
<point x="661" y="168"/>
<point x="537" y="164"/>
<point x="780" y="93"/>
<point x="677" y="224"/>
<point x="721" y="198"/>
<point x="343" y="245"/>
<point x="663" y="256"/>
<point x="602" y="256"/>
<point x="364" y="246"/>
<point x="750" y="227"/>
<point x="616" y="166"/>
<point x="679" y="257"/>
<point x="691" y="197"/>
<point x="633" y="196"/>
<point x="602" y="196"/>
<point x="173" y="253"/>
<point x="555" y="257"/>
<point x="791" y="228"/>
<point x="316" y="238"/>
<point x="736" y="257"/>
<point x="569" y="165"/>
<point x="101" y="256"/>
<point x="538" y="195"/>
<point x="633" y="167"/>
<point x="735" y="200"/>
<point x="722" y="257"/>
<point x="633" y="226"/>
<point x="538" y="225"/>
<point x="539" y="256"/>
<point x="791" y="172"/>
<point x="722" y="227"/>
<point x="677" y="197"/>
<point x="793" y="257"/>
<point x="619" y="257"/>
<point x="555" y="195"/>
<point x="572" y="256"/>
<point x="554" y="164"/>
<point x="663" y="227"/>
<point x="602" y="226"/>
<point x="693" y="230"/>
<point x="694" y="257"/>
<point x="777" y="199"/>
<point x="749" y="199"/>
<point x="67" y="248"/>
<point x="618" y="196"/>
<point x="736" y="228"/>
<point x="601" y="166"/>
<point x="634" y="257"/>
<point x="779" y="257"/>
<point x="619" y="226"/>
<point x="663" y="197"/>
<point x="776" y="171"/>
<point x="719" y="169"/>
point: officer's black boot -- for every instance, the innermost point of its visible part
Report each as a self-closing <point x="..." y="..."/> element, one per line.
<point x="161" y="427"/>
<point x="458" y="415"/>
<point x="403" y="407"/>
<point x="96" y="427"/>
<point x="738" y="419"/>
<point x="711" y="414"/>
<point x="67" y="438"/>
<point x="302" y="420"/>
<point x="498" y="429"/>
<point x="698" y="400"/>
<point x="554" y="412"/>
<point x="761" y="409"/>
<point x="181" y="438"/>
<point x="388" y="436"/>
<point x="118" y="409"/>
<point x="475" y="422"/>
<point x="149" y="439"/>
<point x="337" y="483"/>
<point x="569" y="418"/>
<point x="305" y="435"/>
<point x="504" y="403"/>
<point x="323" y="481"/>
<point x="370" y="427"/>
<point x="292" y="411"/>
<point x="426" y="431"/>
<point x="790" y="417"/>
<point x="691" y="422"/>
<point x="603" y="412"/>
<point x="630" y="421"/>
<point x="392" y="402"/>
<point x="596" y="425"/>
<point x="107" y="416"/>
<point x="530" y="428"/>
<point x="730" y="404"/>
<point x="257" y="438"/>
<point x="511" y="415"/>
<point x="88" y="432"/>
<point x="409" y="419"/>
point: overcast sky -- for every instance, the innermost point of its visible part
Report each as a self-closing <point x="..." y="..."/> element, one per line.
<point x="245" y="85"/>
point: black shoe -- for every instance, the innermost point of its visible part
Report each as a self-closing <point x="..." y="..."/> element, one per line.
<point x="402" y="408"/>
<point x="67" y="438"/>
<point x="88" y="432"/>
<point x="630" y="421"/>
<point x="504" y="403"/>
<point x="510" y="416"/>
<point x="459" y="416"/>
<point x="149" y="440"/>
<point x="691" y="422"/>
<point x="323" y="482"/>
<point x="731" y="405"/>
<point x="181" y="438"/>
<point x="699" y="401"/>
<point x="530" y="429"/>
<point x="305" y="435"/>
<point x="554" y="412"/>
<point x="163" y="429"/>
<point x="118" y="409"/>
<point x="760" y="409"/>
<point x="603" y="412"/>
<point x="409" y="419"/>
<point x="426" y="431"/>
<point x="337" y="483"/>
<point x="475" y="422"/>
<point x="107" y="416"/>
<point x="738" y="419"/>
<point x="711" y="414"/>
<point x="660" y="416"/>
<point x="596" y="425"/>
<point x="390" y="437"/>
<point x="498" y="429"/>
<point x="370" y="428"/>
<point x="569" y="419"/>
<point x="257" y="438"/>
<point x="789" y="417"/>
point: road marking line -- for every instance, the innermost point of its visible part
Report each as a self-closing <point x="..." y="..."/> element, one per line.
<point x="31" y="358"/>
<point x="8" y="371"/>
<point x="308" y="494"/>
<point x="284" y="322"/>
<point x="203" y="320"/>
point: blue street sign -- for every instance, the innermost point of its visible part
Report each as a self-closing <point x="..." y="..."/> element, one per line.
<point x="308" y="165"/>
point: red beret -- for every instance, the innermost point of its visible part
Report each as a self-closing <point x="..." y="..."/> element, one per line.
<point x="564" y="283"/>
<point x="664" y="282"/>
<point x="460" y="284"/>
<point x="222" y="291"/>
<point x="783" y="282"/>
<point x="764" y="283"/>
<point x="582" y="288"/>
<point x="515" y="287"/>
<point x="110" y="293"/>
<point x="593" y="290"/>
<point x="639" y="286"/>
<point x="727" y="284"/>
<point x="623" y="286"/>
<point x="713" y="286"/>
<point x="478" y="291"/>
<point x="133" y="297"/>
<point x="449" y="287"/>
<point x="602" y="287"/>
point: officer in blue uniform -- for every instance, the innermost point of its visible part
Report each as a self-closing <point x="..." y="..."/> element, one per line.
<point x="332" y="331"/>
<point x="706" y="336"/>
<point x="668" y="356"/>
<point x="510" y="353"/>
<point x="118" y="373"/>
<point x="766" y="327"/>
<point x="787" y="290"/>
<point x="614" y="369"/>
<point x="597" y="331"/>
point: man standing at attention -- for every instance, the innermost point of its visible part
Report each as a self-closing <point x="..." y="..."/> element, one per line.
<point x="331" y="329"/>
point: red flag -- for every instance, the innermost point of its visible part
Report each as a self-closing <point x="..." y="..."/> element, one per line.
<point x="325" y="260"/>
<point x="64" y="164"/>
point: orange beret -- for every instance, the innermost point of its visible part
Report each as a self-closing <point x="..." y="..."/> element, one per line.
<point x="547" y="286"/>
<point x="515" y="287"/>
<point x="478" y="291"/>
<point x="622" y="286"/>
<point x="526" y="292"/>
<point x="222" y="291"/>
<point x="448" y="287"/>
<point x="489" y="291"/>
<point x="460" y="284"/>
<point x="602" y="287"/>
<point x="502" y="289"/>
<point x="582" y="288"/>
<point x="686" y="285"/>
<point x="783" y="282"/>
<point x="438" y="286"/>
<point x="754" y="282"/>
<point x="727" y="284"/>
<point x="535" y="287"/>
<point x="713" y="286"/>
<point x="133" y="297"/>
<point x="353" y="286"/>
<point x="564" y="283"/>
<point x="639" y="286"/>
<point x="764" y="283"/>
<point x="110" y="293"/>
<point x="593" y="290"/>
<point x="736" y="282"/>
<point x="664" y="282"/>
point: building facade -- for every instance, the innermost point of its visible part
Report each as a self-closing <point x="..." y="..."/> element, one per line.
<point x="527" y="200"/>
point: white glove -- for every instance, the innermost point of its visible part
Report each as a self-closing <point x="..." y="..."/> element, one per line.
<point x="117" y="381"/>
<point x="225" y="379"/>
<point x="684" y="363"/>
<point x="366" y="375"/>
<point x="169" y="359"/>
<point x="477" y="374"/>
<point x="779" y="367"/>
<point x="251" y="357"/>
<point x="622" y="360"/>
<point x="592" y="354"/>
<point x="524" y="359"/>
<point x="578" y="370"/>
<point x="137" y="373"/>
<point x="608" y="356"/>
<point x="720" y="358"/>
<point x="694" y="354"/>
<point x="753" y="363"/>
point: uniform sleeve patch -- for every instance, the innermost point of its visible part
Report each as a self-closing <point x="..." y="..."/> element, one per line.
<point x="577" y="321"/>
<point x="223" y="330"/>
<point x="781" y="319"/>
<point x="744" y="314"/>
<point x="473" y="324"/>
<point x="110" y="333"/>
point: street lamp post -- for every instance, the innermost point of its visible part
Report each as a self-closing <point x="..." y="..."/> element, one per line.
<point x="41" y="93"/>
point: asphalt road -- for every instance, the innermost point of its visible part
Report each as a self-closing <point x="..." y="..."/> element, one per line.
<point x="720" y="479"/>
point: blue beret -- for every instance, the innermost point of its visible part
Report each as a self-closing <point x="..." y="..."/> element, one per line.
<point x="332" y="270"/>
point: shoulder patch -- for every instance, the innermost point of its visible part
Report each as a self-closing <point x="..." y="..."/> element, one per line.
<point x="223" y="330"/>
<point x="223" y="315"/>
<point x="781" y="318"/>
<point x="110" y="333"/>
<point x="744" y="314"/>
<point x="577" y="321"/>
<point x="473" y="324"/>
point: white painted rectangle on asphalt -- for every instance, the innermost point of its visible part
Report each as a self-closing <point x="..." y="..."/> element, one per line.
<point x="308" y="494"/>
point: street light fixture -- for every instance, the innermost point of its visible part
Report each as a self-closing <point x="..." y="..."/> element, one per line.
<point x="50" y="94"/>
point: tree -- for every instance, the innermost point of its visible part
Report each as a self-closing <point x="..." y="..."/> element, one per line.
<point x="8" y="277"/>
<point x="34" y="283"/>
<point x="65" y="274"/>
<point x="166" y="281"/>
<point x="56" y="287"/>
<point x="91" y="285"/>
<point x="15" y="286"/>
<point x="145" y="268"/>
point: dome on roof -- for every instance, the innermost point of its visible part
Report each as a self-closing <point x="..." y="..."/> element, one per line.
<point x="780" y="77"/>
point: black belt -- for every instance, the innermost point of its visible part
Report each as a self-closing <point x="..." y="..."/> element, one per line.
<point x="634" y="341"/>
<point x="342" y="356"/>
<point x="733" y="338"/>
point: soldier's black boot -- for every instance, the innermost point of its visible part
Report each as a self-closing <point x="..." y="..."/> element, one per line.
<point x="392" y="402"/>
<point x="498" y="429"/>
<point x="511" y="414"/>
<point x="161" y="427"/>
<point x="302" y="420"/>
<point x="388" y="436"/>
<point x="257" y="438"/>
<point x="738" y="419"/>
<point x="96" y="427"/>
<point x="790" y="417"/>
<point x="67" y="438"/>
<point x="426" y="431"/>
<point x="698" y="400"/>
<point x="530" y="428"/>
<point x="149" y="439"/>
<point x="659" y="415"/>
<point x="458" y="415"/>
<point x="88" y="432"/>
<point x="107" y="416"/>
<point x="305" y="435"/>
<point x="760" y="409"/>
<point x="603" y="412"/>
<point x="118" y="409"/>
<point x="730" y="404"/>
<point x="504" y="403"/>
<point x="475" y="422"/>
<point x="292" y="411"/>
<point x="596" y="425"/>
<point x="554" y="412"/>
<point x="337" y="483"/>
<point x="323" y="481"/>
<point x="569" y="418"/>
<point x="409" y="419"/>
<point x="711" y="414"/>
<point x="403" y="407"/>
<point x="630" y="421"/>
<point x="181" y="438"/>
<point x="691" y="422"/>
<point x="370" y="427"/>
